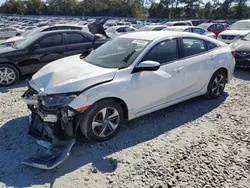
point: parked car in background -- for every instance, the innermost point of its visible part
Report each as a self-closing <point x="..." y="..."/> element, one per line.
<point x="215" y="28"/>
<point x="195" y="22"/>
<point x="236" y="31"/>
<point x="191" y="29"/>
<point x="115" y="31"/>
<point x="152" y="28"/>
<point x="242" y="48"/>
<point x="36" y="51"/>
<point x="130" y="76"/>
<point x="179" y="23"/>
<point x="28" y="33"/>
<point x="10" y="32"/>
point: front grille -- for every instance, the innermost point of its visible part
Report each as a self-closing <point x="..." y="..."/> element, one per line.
<point x="228" y="37"/>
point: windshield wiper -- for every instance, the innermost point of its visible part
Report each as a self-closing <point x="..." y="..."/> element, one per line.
<point x="125" y="60"/>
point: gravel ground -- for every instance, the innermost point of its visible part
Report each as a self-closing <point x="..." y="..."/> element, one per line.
<point x="198" y="143"/>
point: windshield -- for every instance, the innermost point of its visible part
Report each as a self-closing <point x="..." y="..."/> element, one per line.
<point x="145" y="29"/>
<point x="110" y="29"/>
<point x="117" y="53"/>
<point x="33" y="32"/>
<point x="241" y="26"/>
<point x="247" y="37"/>
<point x="26" y="33"/>
<point x="26" y="42"/>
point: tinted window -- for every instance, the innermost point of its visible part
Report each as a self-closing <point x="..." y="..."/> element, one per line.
<point x="128" y="29"/>
<point x="211" y="45"/>
<point x="163" y="52"/>
<point x="62" y="28"/>
<point x="121" y="30"/>
<point x="158" y="28"/>
<point x="188" y="30"/>
<point x="176" y="24"/>
<point x="193" y="46"/>
<point x="50" y="41"/>
<point x="217" y="27"/>
<point x="74" y="38"/>
<point x="198" y="31"/>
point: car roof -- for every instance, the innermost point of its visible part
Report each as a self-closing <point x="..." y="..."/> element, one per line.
<point x="244" y="20"/>
<point x="118" y="26"/>
<point x="152" y="35"/>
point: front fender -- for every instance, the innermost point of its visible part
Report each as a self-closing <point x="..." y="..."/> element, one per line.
<point x="113" y="89"/>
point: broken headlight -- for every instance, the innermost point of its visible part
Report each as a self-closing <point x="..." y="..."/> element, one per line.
<point x="57" y="100"/>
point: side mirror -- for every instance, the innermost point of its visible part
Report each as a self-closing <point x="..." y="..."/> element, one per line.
<point x="147" y="66"/>
<point x="35" y="47"/>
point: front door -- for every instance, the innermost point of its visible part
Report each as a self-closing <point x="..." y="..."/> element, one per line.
<point x="48" y="49"/>
<point x="151" y="89"/>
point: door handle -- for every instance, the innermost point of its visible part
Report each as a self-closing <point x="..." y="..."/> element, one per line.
<point x="178" y="69"/>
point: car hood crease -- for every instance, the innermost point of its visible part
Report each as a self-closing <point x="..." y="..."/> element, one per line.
<point x="70" y="74"/>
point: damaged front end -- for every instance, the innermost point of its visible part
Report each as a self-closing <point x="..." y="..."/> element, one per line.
<point x="53" y="123"/>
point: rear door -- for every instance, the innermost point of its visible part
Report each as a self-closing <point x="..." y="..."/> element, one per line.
<point x="194" y="56"/>
<point x="77" y="43"/>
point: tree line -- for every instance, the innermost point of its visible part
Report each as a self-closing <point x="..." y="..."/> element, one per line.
<point x="213" y="9"/>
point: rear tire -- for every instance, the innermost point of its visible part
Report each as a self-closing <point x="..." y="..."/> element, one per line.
<point x="9" y="75"/>
<point x="216" y="85"/>
<point x="102" y="121"/>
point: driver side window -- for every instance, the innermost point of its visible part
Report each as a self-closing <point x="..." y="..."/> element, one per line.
<point x="163" y="52"/>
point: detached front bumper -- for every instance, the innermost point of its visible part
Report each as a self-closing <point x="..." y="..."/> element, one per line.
<point x="54" y="129"/>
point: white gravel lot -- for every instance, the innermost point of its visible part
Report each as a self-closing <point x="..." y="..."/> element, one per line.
<point x="198" y="143"/>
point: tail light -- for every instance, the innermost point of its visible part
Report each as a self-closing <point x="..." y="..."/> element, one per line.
<point x="233" y="51"/>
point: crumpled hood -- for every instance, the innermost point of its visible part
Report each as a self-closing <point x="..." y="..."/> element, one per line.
<point x="235" y="32"/>
<point x="70" y="74"/>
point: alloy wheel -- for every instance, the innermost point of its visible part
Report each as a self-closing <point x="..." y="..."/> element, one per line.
<point x="218" y="85"/>
<point x="105" y="122"/>
<point x="7" y="76"/>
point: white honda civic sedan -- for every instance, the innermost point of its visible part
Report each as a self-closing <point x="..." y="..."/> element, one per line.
<point x="127" y="77"/>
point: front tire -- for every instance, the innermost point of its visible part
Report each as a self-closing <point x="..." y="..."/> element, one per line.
<point x="216" y="85"/>
<point x="9" y="75"/>
<point x="102" y="121"/>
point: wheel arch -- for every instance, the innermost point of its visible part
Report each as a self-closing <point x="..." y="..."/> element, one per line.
<point x="76" y="125"/>
<point x="12" y="64"/>
<point x="224" y="70"/>
<point x="119" y="101"/>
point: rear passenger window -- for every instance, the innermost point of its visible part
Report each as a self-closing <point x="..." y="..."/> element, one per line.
<point x="193" y="46"/>
<point x="211" y="45"/>
<point x="74" y="38"/>
<point x="163" y="52"/>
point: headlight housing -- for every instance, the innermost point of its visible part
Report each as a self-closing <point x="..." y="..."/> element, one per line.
<point x="57" y="100"/>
